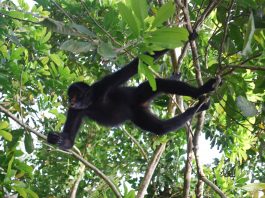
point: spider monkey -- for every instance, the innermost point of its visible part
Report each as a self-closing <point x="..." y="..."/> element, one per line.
<point x="109" y="103"/>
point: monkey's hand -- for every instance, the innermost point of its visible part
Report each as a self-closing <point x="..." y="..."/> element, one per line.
<point x="54" y="138"/>
<point x="57" y="138"/>
<point x="203" y="104"/>
<point x="211" y="84"/>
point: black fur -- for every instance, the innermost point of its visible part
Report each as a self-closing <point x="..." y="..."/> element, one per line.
<point x="110" y="104"/>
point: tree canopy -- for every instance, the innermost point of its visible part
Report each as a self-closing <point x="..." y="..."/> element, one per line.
<point x="47" y="45"/>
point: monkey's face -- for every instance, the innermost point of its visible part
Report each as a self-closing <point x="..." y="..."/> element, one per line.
<point x="79" y="95"/>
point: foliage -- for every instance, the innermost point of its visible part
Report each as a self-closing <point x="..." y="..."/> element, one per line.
<point x="45" y="48"/>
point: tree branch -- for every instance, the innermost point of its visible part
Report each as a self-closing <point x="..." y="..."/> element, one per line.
<point x="13" y="117"/>
<point x="150" y="170"/>
<point x="98" y="25"/>
<point x="73" y="153"/>
<point x="97" y="172"/>
<point x="225" y="34"/>
<point x="250" y="67"/>
<point x="142" y="151"/>
<point x="188" y="163"/>
<point x="201" y="116"/>
<point x="213" y="186"/>
<point x="212" y="5"/>
<point x="78" y="180"/>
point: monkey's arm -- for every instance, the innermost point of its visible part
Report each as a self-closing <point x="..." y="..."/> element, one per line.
<point x="65" y="139"/>
<point x="124" y="74"/>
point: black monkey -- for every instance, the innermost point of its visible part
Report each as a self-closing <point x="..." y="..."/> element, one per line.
<point x="110" y="104"/>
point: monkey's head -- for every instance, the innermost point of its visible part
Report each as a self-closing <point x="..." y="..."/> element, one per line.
<point x="79" y="95"/>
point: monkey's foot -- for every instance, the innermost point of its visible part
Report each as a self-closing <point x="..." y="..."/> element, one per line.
<point x="203" y="104"/>
<point x="211" y="85"/>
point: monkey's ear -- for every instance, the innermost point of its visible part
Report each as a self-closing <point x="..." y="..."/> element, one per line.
<point x="54" y="138"/>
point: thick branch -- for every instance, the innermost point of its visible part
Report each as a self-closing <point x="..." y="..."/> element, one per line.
<point x="212" y="5"/>
<point x="201" y="116"/>
<point x="213" y="186"/>
<point x="188" y="163"/>
<point x="199" y="127"/>
<point x="178" y="101"/>
<point x="150" y="170"/>
<point x="78" y="157"/>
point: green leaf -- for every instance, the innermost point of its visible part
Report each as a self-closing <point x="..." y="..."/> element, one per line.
<point x="254" y="187"/>
<point x="46" y="37"/>
<point x="31" y="193"/>
<point x="6" y="135"/>
<point x="163" y="14"/>
<point x="140" y="8"/>
<point x="4" y="125"/>
<point x="131" y="194"/>
<point x="16" y="14"/>
<point x="4" y="80"/>
<point x="3" y="49"/>
<point x="67" y="29"/>
<point x="20" y="184"/>
<point x="24" y="167"/>
<point x="28" y="141"/>
<point x="23" y="4"/>
<point x="249" y="35"/>
<point x="168" y="37"/>
<point x="56" y="59"/>
<point x="77" y="46"/>
<point x="22" y="191"/>
<point x="44" y="60"/>
<point x="247" y="108"/>
<point x="83" y="30"/>
<point x="106" y="50"/>
<point x="144" y="69"/>
<point x="128" y="16"/>
<point x="147" y="59"/>
<point x="9" y="168"/>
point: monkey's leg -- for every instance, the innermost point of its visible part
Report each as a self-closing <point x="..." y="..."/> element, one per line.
<point x="145" y="93"/>
<point x="149" y="122"/>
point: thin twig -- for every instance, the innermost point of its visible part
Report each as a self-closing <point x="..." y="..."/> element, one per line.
<point x="232" y="68"/>
<point x="98" y="173"/>
<point x="97" y="24"/>
<point x="195" y="55"/>
<point x="239" y="66"/>
<point x="212" y="5"/>
<point x="142" y="151"/>
<point x="228" y="18"/>
<point x="78" y="180"/>
<point x="201" y="116"/>
<point x="250" y="67"/>
<point x="60" y="8"/>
